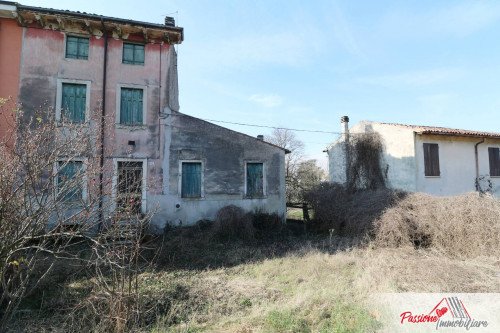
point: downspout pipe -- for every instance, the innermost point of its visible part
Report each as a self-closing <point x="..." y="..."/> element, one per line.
<point x="103" y="124"/>
<point x="477" y="163"/>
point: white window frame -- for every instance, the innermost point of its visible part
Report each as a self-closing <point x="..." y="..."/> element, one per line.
<point x="114" y="181"/>
<point x="59" y="97"/>
<point x="119" y="102"/>
<point x="84" y="179"/>
<point x="264" y="179"/>
<point x="179" y="189"/>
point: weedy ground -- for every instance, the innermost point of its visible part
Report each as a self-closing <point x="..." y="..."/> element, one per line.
<point x="290" y="280"/>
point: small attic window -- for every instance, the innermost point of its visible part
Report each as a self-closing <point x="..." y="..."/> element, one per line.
<point x="133" y="54"/>
<point x="77" y="47"/>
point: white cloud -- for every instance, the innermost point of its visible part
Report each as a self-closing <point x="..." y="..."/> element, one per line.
<point x="268" y="101"/>
<point x="415" y="78"/>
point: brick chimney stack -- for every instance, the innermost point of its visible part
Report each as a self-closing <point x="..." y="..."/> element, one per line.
<point x="169" y="21"/>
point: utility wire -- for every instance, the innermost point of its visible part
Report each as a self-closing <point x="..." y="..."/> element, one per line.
<point x="282" y="128"/>
<point x="273" y="127"/>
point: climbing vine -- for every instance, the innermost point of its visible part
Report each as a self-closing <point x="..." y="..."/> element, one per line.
<point x="364" y="162"/>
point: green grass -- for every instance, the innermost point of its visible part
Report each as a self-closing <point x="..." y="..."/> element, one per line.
<point x="305" y="283"/>
<point x="287" y="321"/>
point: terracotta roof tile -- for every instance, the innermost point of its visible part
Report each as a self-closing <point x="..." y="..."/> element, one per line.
<point x="446" y="131"/>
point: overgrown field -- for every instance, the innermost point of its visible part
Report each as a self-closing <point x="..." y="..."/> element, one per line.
<point x="295" y="279"/>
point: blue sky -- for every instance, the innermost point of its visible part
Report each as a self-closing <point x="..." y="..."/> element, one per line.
<point x="304" y="64"/>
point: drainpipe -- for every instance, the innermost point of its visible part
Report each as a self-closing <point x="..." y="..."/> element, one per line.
<point x="103" y="122"/>
<point x="477" y="163"/>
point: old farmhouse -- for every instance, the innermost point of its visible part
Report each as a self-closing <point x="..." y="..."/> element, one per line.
<point x="435" y="160"/>
<point x="87" y="66"/>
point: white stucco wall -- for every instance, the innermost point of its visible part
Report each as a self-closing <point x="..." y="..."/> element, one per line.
<point x="403" y="158"/>
<point x="457" y="165"/>
<point x="397" y="156"/>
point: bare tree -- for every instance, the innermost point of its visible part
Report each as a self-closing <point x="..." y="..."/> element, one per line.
<point x="51" y="194"/>
<point x="309" y="175"/>
<point x="286" y="139"/>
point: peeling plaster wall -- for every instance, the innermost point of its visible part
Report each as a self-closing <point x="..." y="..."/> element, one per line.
<point x="164" y="139"/>
<point x="11" y="36"/>
<point x="223" y="153"/>
<point x="43" y="62"/>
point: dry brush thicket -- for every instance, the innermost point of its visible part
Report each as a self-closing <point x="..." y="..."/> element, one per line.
<point x="461" y="226"/>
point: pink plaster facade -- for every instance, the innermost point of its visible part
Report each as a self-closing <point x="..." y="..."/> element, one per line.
<point x="166" y="139"/>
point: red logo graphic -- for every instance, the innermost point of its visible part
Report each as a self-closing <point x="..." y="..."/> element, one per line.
<point x="449" y="312"/>
<point x="441" y="311"/>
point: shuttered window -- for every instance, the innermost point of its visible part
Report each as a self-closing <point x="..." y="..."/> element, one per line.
<point x="431" y="159"/>
<point x="131" y="104"/>
<point x="77" y="47"/>
<point x="133" y="54"/>
<point x="191" y="180"/>
<point x="74" y="99"/>
<point x="69" y="181"/>
<point x="494" y="154"/>
<point x="255" y="179"/>
<point x="130" y="177"/>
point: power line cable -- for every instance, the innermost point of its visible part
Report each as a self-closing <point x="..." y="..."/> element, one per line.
<point x="273" y="127"/>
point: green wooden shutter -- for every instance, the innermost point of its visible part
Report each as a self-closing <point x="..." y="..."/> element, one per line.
<point x="77" y="47"/>
<point x="131" y="106"/>
<point x="83" y="48"/>
<point x="69" y="181"/>
<point x="71" y="47"/>
<point x="74" y="101"/>
<point x="255" y="179"/>
<point x="191" y="180"/>
<point x="139" y="54"/>
<point x="133" y="54"/>
<point x="128" y="54"/>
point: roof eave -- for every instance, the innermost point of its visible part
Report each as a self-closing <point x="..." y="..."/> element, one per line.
<point x="459" y="134"/>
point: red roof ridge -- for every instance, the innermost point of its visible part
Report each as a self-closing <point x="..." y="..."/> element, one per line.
<point x="446" y="131"/>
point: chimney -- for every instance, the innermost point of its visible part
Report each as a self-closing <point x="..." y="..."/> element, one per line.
<point x="260" y="137"/>
<point x="169" y="21"/>
<point x="345" y="124"/>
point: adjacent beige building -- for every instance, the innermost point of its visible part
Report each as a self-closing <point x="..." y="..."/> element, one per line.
<point x="435" y="160"/>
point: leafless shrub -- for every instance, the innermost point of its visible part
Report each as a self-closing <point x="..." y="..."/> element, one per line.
<point x="266" y="223"/>
<point x="39" y="203"/>
<point x="349" y="213"/>
<point x="329" y="202"/>
<point x="461" y="226"/>
<point x="115" y="302"/>
<point x="232" y="222"/>
<point x="55" y="189"/>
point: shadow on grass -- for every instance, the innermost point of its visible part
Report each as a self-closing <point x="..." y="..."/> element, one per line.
<point x="194" y="248"/>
